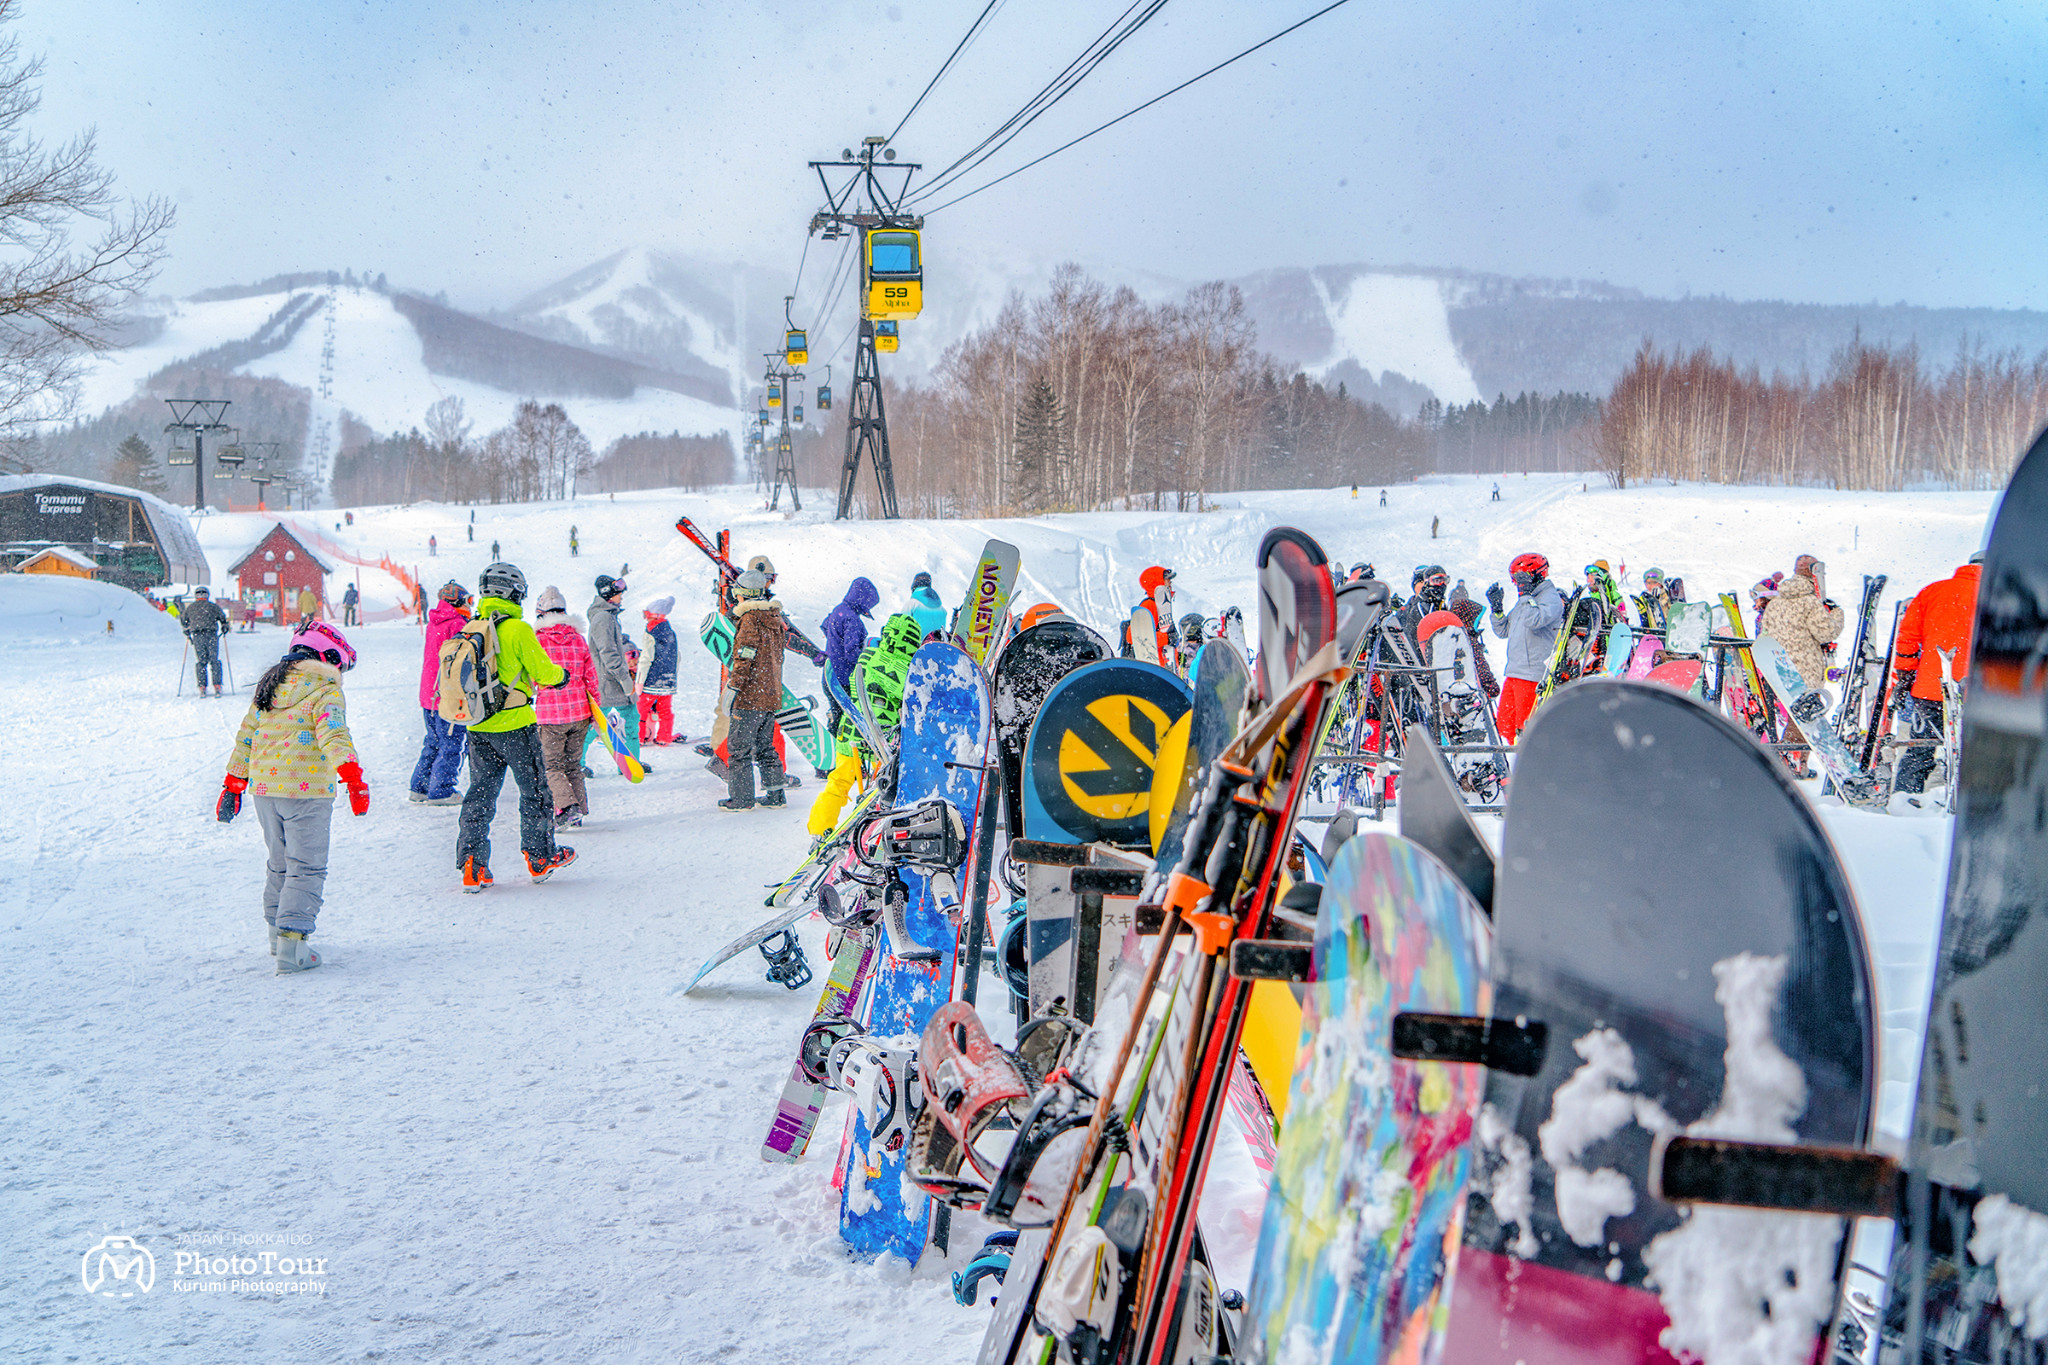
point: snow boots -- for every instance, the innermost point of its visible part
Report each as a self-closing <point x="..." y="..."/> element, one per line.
<point x="475" y="876"/>
<point x="544" y="868"/>
<point x="294" y="954"/>
<point x="728" y="804"/>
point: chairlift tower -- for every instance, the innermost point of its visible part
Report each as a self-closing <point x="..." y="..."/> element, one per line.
<point x="865" y="201"/>
<point x="785" y="453"/>
<point x="196" y="419"/>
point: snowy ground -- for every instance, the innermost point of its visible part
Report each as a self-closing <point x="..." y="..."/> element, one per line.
<point x="489" y="1116"/>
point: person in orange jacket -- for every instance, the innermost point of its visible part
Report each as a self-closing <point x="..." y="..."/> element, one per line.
<point x="1938" y="620"/>
<point x="1158" y="607"/>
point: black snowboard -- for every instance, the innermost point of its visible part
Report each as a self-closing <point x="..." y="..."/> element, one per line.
<point x="1026" y="669"/>
<point x="1981" y="1125"/>
<point x="1654" y="852"/>
<point x="1433" y="814"/>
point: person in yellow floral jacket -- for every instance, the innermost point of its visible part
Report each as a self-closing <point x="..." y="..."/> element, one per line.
<point x="292" y="748"/>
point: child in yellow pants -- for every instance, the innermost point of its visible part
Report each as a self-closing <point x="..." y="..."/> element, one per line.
<point x="832" y="800"/>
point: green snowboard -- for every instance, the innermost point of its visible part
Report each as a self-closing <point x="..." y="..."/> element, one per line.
<point x="796" y="717"/>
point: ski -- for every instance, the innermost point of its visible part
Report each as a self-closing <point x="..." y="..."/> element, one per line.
<point x="1855" y="674"/>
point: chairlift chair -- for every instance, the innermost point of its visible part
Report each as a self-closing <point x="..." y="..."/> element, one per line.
<point x="184" y="447"/>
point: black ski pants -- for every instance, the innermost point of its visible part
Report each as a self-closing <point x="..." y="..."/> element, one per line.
<point x="490" y="755"/>
<point x="751" y="740"/>
<point x="1915" y="763"/>
<point x="205" y="656"/>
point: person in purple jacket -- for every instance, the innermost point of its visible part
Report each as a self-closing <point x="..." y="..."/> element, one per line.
<point x="433" y="777"/>
<point x="845" y="636"/>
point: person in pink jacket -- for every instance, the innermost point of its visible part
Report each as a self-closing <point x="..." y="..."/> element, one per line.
<point x="564" y="711"/>
<point x="433" y="777"/>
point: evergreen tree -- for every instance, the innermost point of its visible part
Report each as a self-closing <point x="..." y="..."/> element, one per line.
<point x="1039" y="451"/>
<point x="135" y="466"/>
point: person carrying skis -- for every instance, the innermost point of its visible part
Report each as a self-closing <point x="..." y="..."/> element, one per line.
<point x="925" y="606"/>
<point x="433" y="777"/>
<point x="657" y="694"/>
<point x="1938" y="620"/>
<point x="563" y="713"/>
<point x="349" y="599"/>
<point x="204" y="623"/>
<point x="509" y="741"/>
<point x="292" y="748"/>
<point x="1531" y="632"/>
<point x="753" y="692"/>
<point x="614" y="672"/>
<point x="882" y="669"/>
<point x="1802" y="619"/>
<point x="1157" y="611"/>
<point x="846" y="635"/>
<point x="1429" y="585"/>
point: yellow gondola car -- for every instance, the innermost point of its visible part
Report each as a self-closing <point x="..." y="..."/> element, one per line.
<point x="885" y="336"/>
<point x="796" y="347"/>
<point x="894" y="262"/>
<point x="775" y="395"/>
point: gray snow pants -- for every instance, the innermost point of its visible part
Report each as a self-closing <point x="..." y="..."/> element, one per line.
<point x="206" y="656"/>
<point x="295" y="830"/>
<point x="751" y="740"/>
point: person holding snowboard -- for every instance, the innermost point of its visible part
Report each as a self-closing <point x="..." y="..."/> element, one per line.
<point x="657" y="673"/>
<point x="433" y="777"/>
<point x="1802" y="619"/>
<point x="509" y="741"/>
<point x="204" y="623"/>
<point x="846" y="635"/>
<point x="292" y="748"/>
<point x="563" y="713"/>
<point x="614" y="670"/>
<point x="1938" y="620"/>
<point x="1531" y="632"/>
<point x="882" y="668"/>
<point x="753" y="693"/>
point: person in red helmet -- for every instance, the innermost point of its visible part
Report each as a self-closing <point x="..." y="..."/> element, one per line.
<point x="1531" y="632"/>
<point x="1155" y="613"/>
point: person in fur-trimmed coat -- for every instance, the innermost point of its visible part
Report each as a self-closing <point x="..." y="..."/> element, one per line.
<point x="1804" y="621"/>
<point x="753" y="691"/>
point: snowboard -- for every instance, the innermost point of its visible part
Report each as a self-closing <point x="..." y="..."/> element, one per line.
<point x="1091" y="752"/>
<point x="1621" y="643"/>
<point x="1367" y="1203"/>
<point x="1720" y="988"/>
<point x="1219" y="682"/>
<point x="1856" y="673"/>
<point x="945" y="722"/>
<point x="1687" y="627"/>
<point x="1808" y="707"/>
<point x="796" y="1112"/>
<point x="1435" y="818"/>
<point x="1643" y="657"/>
<point x="1028" y="668"/>
<point x="753" y="938"/>
<point x="800" y="723"/>
<point x="1752" y="695"/>
<point x="1681" y="674"/>
<point x="980" y="619"/>
<point x="1577" y="651"/>
<point x="1464" y="717"/>
<point x="628" y="765"/>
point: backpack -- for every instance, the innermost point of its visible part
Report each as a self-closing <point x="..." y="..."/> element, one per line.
<point x="470" y="688"/>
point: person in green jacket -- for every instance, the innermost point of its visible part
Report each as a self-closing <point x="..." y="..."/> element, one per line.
<point x="509" y="739"/>
<point x="880" y="674"/>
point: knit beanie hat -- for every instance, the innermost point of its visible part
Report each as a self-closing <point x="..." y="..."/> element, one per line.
<point x="660" y="606"/>
<point x="550" y="599"/>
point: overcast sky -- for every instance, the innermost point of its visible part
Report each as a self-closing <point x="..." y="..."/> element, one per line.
<point x="1823" y="150"/>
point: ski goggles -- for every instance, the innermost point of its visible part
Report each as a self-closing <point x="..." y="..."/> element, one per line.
<point x="1435" y="580"/>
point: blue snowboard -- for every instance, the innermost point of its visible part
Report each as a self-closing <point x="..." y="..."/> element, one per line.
<point x="945" y="719"/>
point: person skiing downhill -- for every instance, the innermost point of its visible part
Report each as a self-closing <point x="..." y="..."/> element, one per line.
<point x="292" y="748"/>
<point x="1531" y="632"/>
<point x="614" y="673"/>
<point x="657" y="669"/>
<point x="563" y="713"/>
<point x="509" y="741"/>
<point x="882" y="669"/>
<point x="753" y="692"/>
<point x="1938" y="620"/>
<point x="204" y="623"/>
<point x="433" y="776"/>
<point x="846" y="634"/>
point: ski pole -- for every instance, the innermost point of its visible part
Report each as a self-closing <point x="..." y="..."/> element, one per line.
<point x="182" y="654"/>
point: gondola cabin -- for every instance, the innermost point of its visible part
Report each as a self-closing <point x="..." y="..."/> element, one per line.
<point x="775" y="395"/>
<point x="825" y="398"/>
<point x="796" y="414"/>
<point x="885" y="336"/>
<point x="796" y="347"/>
<point x="764" y="417"/>
<point x="895" y="274"/>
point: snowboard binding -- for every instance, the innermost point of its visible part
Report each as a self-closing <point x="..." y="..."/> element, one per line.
<point x="880" y="1075"/>
<point x="969" y="1083"/>
<point x="787" y="966"/>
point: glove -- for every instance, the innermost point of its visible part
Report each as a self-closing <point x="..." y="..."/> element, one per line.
<point x="1902" y="688"/>
<point x="1496" y="598"/>
<point x="726" y="701"/>
<point x="230" y="803"/>
<point x="351" y="773"/>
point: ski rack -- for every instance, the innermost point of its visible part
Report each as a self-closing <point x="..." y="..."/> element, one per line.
<point x="1385" y="764"/>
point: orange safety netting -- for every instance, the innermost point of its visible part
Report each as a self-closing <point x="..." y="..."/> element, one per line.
<point x="386" y="563"/>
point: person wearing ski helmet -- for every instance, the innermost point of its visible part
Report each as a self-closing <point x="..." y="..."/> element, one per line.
<point x="1155" y="614"/>
<point x="925" y="607"/>
<point x="881" y="673"/>
<point x="1802" y="619"/>
<point x="509" y="740"/>
<point x="1531" y="632"/>
<point x="753" y="692"/>
<point x="440" y="761"/>
<point x="1429" y="585"/>
<point x="1937" y="621"/>
<point x="614" y="669"/>
<point x="292" y="750"/>
<point x="204" y="623"/>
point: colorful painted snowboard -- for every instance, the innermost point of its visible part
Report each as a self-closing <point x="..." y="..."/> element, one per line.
<point x="980" y="620"/>
<point x="1857" y="788"/>
<point x="1720" y="988"/>
<point x="1367" y="1206"/>
<point x="800" y="724"/>
<point x="628" y="765"/>
<point x="796" y="1113"/>
<point x="945" y="720"/>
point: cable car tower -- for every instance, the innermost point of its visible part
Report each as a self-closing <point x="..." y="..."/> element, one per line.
<point x="780" y="376"/>
<point x="892" y="287"/>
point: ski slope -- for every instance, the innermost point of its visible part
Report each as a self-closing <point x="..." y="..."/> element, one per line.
<point x="491" y="1117"/>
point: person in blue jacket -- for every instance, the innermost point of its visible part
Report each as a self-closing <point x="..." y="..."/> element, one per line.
<point x="924" y="605"/>
<point x="846" y="634"/>
<point x="658" y="674"/>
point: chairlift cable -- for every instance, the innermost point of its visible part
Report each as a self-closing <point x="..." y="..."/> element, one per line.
<point x="1141" y="108"/>
<point x="947" y="65"/>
